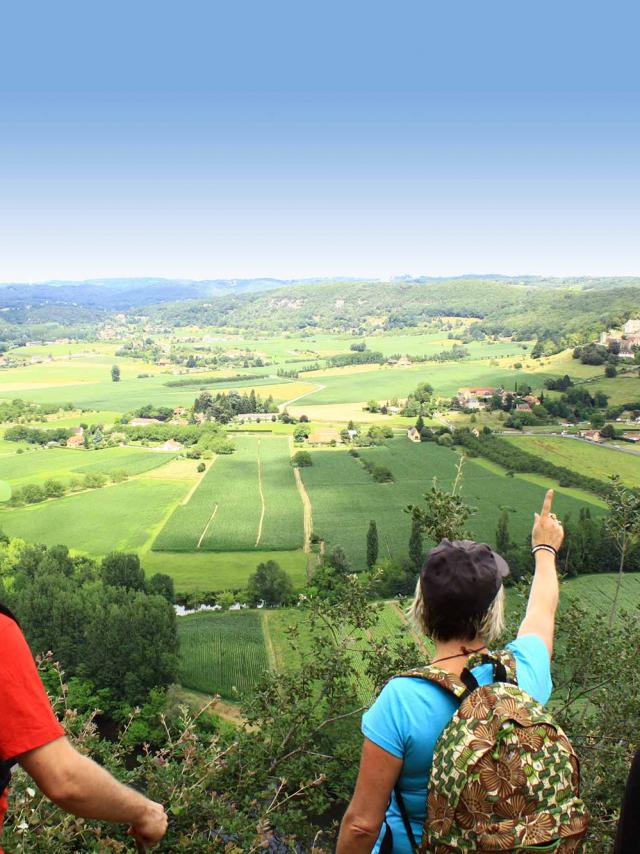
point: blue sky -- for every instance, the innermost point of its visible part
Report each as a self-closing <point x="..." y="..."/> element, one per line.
<point x="298" y="139"/>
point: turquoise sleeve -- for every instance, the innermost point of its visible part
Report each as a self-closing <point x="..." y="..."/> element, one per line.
<point x="533" y="666"/>
<point x="383" y="722"/>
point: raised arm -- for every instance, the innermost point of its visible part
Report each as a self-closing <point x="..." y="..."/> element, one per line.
<point x="543" y="600"/>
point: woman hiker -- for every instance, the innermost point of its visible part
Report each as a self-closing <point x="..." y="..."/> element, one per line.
<point x="459" y="604"/>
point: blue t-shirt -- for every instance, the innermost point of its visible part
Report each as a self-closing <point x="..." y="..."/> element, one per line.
<point x="409" y="715"/>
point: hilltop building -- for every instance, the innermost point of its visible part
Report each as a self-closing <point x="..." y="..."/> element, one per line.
<point x="476" y="398"/>
<point x="590" y="435"/>
<point x="628" y="340"/>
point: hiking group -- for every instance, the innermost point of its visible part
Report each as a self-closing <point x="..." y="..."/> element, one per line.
<point x="459" y="755"/>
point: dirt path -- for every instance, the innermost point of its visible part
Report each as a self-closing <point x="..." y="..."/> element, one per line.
<point x="206" y="527"/>
<point x="306" y="503"/>
<point x="286" y="403"/>
<point x="260" y="487"/>
<point x="268" y="643"/>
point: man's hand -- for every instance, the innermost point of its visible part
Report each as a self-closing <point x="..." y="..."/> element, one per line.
<point x="547" y="530"/>
<point x="151" y="826"/>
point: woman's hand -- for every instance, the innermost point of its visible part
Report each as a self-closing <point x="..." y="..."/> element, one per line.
<point x="547" y="529"/>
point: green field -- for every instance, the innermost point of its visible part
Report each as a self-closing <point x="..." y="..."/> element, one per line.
<point x="590" y="460"/>
<point x="120" y="517"/>
<point x="596" y="592"/>
<point x="247" y="500"/>
<point x="206" y="571"/>
<point x="222" y="650"/>
<point x="387" y="382"/>
<point x="344" y="497"/>
<point x="222" y="653"/>
<point x="37" y="464"/>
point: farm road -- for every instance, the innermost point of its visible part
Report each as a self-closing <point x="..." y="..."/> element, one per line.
<point x="306" y="503"/>
<point x="286" y="403"/>
<point x="261" y="489"/>
<point x="206" y="527"/>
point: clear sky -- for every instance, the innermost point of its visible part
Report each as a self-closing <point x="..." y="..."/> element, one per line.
<point x="236" y="139"/>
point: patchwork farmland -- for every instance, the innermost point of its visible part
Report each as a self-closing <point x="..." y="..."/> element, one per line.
<point x="247" y="500"/>
<point x="344" y="496"/>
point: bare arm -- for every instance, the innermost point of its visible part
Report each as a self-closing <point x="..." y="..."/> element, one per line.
<point x="545" y="592"/>
<point x="80" y="786"/>
<point x="361" y="824"/>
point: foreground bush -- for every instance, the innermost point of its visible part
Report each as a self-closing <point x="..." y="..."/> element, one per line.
<point x="270" y="784"/>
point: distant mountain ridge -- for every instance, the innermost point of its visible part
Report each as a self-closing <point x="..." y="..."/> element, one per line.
<point x="124" y="294"/>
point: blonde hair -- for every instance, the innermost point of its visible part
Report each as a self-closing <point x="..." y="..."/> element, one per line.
<point x="488" y="625"/>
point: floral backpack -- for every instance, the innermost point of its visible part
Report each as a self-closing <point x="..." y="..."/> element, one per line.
<point x="504" y="775"/>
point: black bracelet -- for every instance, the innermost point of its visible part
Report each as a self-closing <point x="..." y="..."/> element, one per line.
<point x="545" y="547"/>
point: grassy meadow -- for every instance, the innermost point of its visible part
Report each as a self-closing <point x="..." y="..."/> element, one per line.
<point x="118" y="517"/>
<point x="591" y="460"/>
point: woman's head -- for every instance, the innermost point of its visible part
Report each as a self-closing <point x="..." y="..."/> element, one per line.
<point x="459" y="595"/>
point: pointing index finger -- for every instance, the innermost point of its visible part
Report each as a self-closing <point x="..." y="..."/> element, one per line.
<point x="546" y="505"/>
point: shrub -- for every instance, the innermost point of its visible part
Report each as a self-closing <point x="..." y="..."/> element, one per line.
<point x="94" y="480"/>
<point x="301" y="459"/>
<point x="53" y="488"/>
<point x="201" y="467"/>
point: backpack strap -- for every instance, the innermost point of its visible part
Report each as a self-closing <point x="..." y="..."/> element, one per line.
<point x="503" y="662"/>
<point x="459" y="687"/>
<point x="386" y="846"/>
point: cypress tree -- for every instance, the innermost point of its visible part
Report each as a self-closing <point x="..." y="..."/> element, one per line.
<point x="502" y="533"/>
<point x="415" y="544"/>
<point x="372" y="544"/>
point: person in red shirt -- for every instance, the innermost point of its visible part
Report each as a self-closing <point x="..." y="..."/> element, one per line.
<point x="31" y="736"/>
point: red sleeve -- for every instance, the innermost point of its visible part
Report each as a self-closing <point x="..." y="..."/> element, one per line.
<point x="27" y="720"/>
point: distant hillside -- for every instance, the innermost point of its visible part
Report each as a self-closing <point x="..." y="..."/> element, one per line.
<point x="561" y="310"/>
<point x="125" y="294"/>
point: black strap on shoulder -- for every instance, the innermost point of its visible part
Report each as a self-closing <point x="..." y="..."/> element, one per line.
<point x="405" y="818"/>
<point x="470" y="681"/>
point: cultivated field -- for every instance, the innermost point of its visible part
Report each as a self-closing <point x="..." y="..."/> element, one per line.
<point x="247" y="500"/>
<point x="344" y="497"/>
<point x="222" y="653"/>
<point x="213" y="646"/>
<point x="588" y="459"/>
<point x="120" y="517"/>
<point x="384" y="383"/>
<point x="35" y="465"/>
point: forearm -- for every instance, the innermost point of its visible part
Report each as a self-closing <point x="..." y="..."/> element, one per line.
<point x="545" y="590"/>
<point x="92" y="792"/>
